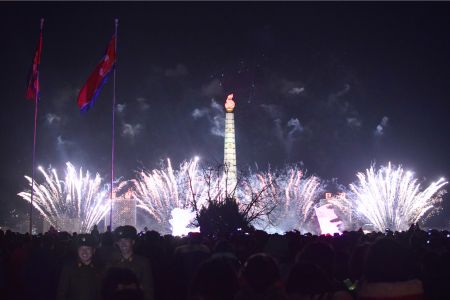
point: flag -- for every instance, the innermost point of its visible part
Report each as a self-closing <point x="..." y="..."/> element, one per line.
<point x="98" y="77"/>
<point x="33" y="80"/>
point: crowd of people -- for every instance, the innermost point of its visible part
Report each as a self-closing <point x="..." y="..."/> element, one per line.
<point x="124" y="264"/>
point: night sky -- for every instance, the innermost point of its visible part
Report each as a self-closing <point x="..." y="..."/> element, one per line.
<point x="337" y="86"/>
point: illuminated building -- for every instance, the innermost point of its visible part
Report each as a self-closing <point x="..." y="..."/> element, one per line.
<point x="123" y="210"/>
<point x="229" y="157"/>
<point x="328" y="220"/>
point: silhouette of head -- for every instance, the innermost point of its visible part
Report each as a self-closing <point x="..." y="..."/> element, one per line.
<point x="261" y="272"/>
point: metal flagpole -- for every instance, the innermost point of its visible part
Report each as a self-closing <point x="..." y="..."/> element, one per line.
<point x="36" y="98"/>
<point x="113" y="129"/>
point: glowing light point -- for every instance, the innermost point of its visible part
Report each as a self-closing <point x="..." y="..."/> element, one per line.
<point x="180" y="221"/>
<point x="229" y="103"/>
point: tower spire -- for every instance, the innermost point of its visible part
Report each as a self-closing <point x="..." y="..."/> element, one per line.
<point x="229" y="157"/>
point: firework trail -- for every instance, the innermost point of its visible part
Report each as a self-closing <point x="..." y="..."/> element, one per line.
<point x="294" y="195"/>
<point x="74" y="204"/>
<point x="160" y="191"/>
<point x="391" y="198"/>
<point x="169" y="195"/>
<point x="301" y="195"/>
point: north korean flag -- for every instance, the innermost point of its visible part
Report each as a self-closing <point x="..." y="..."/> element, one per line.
<point x="98" y="77"/>
<point x="33" y="80"/>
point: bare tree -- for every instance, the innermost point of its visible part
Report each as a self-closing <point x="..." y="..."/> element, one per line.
<point x="223" y="211"/>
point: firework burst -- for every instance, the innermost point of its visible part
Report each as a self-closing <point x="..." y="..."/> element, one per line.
<point x="391" y="198"/>
<point x="289" y="193"/>
<point x="160" y="191"/>
<point x="74" y="204"/>
<point x="294" y="196"/>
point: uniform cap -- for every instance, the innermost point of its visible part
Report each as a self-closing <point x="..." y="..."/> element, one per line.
<point x="85" y="240"/>
<point x="125" y="232"/>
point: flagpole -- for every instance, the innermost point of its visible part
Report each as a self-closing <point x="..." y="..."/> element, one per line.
<point x="36" y="98"/>
<point x="113" y="129"/>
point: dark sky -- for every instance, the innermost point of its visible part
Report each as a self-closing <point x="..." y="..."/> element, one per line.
<point x="336" y="86"/>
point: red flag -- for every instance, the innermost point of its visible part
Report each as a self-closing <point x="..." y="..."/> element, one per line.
<point x="94" y="84"/>
<point x="33" y="81"/>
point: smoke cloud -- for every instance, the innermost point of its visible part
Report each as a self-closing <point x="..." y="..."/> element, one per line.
<point x="178" y="71"/>
<point x="215" y="115"/>
<point x="130" y="130"/>
<point x="289" y="133"/>
<point x="52" y="118"/>
<point x="214" y="88"/>
<point x="121" y="107"/>
<point x="62" y="142"/>
<point x="143" y="103"/>
<point x="380" y="129"/>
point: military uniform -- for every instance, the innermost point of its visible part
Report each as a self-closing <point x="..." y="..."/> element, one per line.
<point x="78" y="280"/>
<point x="139" y="265"/>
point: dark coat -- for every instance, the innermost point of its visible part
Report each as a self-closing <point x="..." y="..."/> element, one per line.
<point x="141" y="267"/>
<point x="79" y="281"/>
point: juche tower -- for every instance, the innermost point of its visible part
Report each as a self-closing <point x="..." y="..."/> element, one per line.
<point x="229" y="157"/>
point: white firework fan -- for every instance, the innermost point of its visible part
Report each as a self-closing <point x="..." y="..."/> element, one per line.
<point x="294" y="195"/>
<point x="391" y="198"/>
<point x="74" y="204"/>
<point x="160" y="191"/>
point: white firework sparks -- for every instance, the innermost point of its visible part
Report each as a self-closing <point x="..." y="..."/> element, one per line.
<point x="75" y="204"/>
<point x="391" y="198"/>
<point x="160" y="191"/>
<point x="301" y="195"/>
<point x="181" y="221"/>
<point x="294" y="195"/>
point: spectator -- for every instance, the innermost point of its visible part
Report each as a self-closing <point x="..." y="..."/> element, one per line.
<point x="121" y="284"/>
<point x="216" y="279"/>
<point x="187" y="258"/>
<point x="139" y="265"/>
<point x="387" y="273"/>
<point x="81" y="279"/>
<point x="308" y="281"/>
<point x="377" y="268"/>
<point x="260" y="279"/>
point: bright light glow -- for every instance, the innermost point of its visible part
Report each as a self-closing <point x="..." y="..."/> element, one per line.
<point x="325" y="215"/>
<point x="229" y="103"/>
<point x="295" y="196"/>
<point x="391" y="198"/>
<point x="181" y="221"/>
<point x="74" y="204"/>
<point x="159" y="192"/>
<point x="386" y="198"/>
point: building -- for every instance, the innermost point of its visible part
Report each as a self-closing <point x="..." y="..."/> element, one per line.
<point x="123" y="210"/>
<point x="329" y="222"/>
<point x="229" y="157"/>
